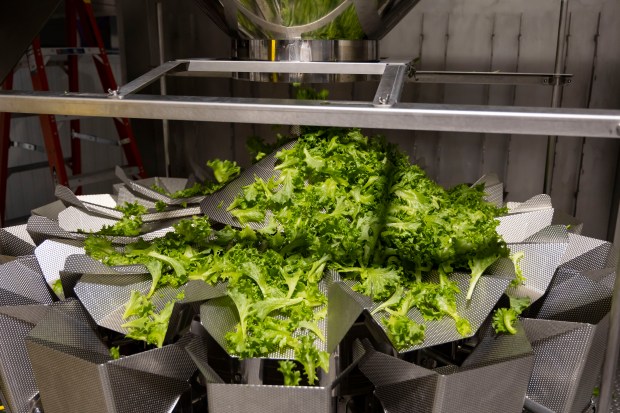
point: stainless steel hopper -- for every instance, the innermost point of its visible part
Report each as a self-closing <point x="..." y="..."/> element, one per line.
<point x="306" y="31"/>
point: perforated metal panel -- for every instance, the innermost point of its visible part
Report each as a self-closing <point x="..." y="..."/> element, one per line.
<point x="16" y="241"/>
<point x="51" y="256"/>
<point x="17" y="384"/>
<point x="105" y="295"/>
<point x="543" y="253"/>
<point x="517" y="227"/>
<point x="568" y="357"/>
<point x="143" y="187"/>
<point x="481" y="384"/>
<point x="214" y="206"/>
<point x="20" y="285"/>
<point x="75" y="373"/>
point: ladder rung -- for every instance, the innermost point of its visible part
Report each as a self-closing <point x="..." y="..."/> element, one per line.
<point x="94" y="177"/>
<point x="95" y="139"/>
<point x="30" y="167"/>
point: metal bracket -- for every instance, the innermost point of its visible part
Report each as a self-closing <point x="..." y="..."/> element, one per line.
<point x="391" y="85"/>
<point x="148" y="78"/>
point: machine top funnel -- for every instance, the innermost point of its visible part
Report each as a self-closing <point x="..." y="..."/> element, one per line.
<point x="309" y="20"/>
<point x="304" y="30"/>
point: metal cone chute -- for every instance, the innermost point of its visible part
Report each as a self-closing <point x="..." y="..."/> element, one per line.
<point x="293" y="19"/>
<point x="304" y="31"/>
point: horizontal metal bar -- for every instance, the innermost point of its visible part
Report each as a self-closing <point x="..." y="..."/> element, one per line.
<point x="100" y="176"/>
<point x="224" y="68"/>
<point x="67" y="51"/>
<point x="30" y="167"/>
<point x="406" y="116"/>
<point x="95" y="139"/>
<point x="490" y="78"/>
<point x="148" y="78"/>
<point x="353" y="68"/>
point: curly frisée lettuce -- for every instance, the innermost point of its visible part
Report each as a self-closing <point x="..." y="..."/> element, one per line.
<point x="340" y="201"/>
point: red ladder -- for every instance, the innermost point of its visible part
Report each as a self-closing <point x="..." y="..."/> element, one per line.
<point x="79" y="18"/>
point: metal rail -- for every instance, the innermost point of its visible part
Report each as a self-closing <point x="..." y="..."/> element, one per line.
<point x="406" y="116"/>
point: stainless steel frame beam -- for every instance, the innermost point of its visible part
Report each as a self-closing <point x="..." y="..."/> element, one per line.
<point x="408" y="116"/>
<point x="226" y="68"/>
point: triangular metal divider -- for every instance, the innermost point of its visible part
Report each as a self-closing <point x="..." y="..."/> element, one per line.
<point x="488" y="292"/>
<point x="51" y="256"/>
<point x="572" y="224"/>
<point x="65" y="194"/>
<point x="30" y="261"/>
<point x="63" y="333"/>
<point x="17" y="279"/>
<point x="49" y="211"/>
<point x="197" y="349"/>
<point x="518" y="227"/>
<point x="344" y="309"/>
<point x="210" y="205"/>
<point x="537" y="202"/>
<point x="134" y="390"/>
<point x="125" y="195"/>
<point x="170" y="361"/>
<point x="592" y="259"/>
<point x="576" y="296"/>
<point x="151" y="193"/>
<point x="218" y="317"/>
<point x="16" y="376"/>
<point x="540" y="261"/>
<point x="16" y="241"/>
<point x="537" y="329"/>
<point x="550" y="234"/>
<point x="105" y="297"/>
<point x="494" y="348"/>
<point x="42" y="228"/>
<point x="74" y="219"/>
<point x="493" y="188"/>
<point x="87" y="265"/>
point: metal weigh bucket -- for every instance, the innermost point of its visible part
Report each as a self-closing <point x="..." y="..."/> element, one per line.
<point x="306" y="31"/>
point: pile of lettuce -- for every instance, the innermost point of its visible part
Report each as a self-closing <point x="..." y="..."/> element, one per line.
<point x="338" y="200"/>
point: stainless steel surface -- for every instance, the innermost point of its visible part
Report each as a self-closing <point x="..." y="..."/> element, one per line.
<point x="261" y="20"/>
<point x="304" y="51"/>
<point x="162" y="84"/>
<point x="17" y="384"/>
<point x="391" y="85"/>
<point x="488" y="78"/>
<point x="412" y="116"/>
<point x="480" y="385"/>
<point x="556" y="94"/>
<point x="149" y="78"/>
<point x="611" y="352"/>
<point x="74" y="371"/>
